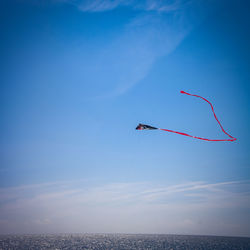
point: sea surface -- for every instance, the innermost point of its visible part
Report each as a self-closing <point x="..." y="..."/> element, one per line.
<point x="121" y="241"/>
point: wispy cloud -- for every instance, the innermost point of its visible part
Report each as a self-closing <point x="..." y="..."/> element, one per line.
<point x="97" y="5"/>
<point x="127" y="207"/>
<point x="147" y="5"/>
<point x="156" y="30"/>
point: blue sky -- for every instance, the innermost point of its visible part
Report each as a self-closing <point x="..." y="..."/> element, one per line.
<point x="76" y="79"/>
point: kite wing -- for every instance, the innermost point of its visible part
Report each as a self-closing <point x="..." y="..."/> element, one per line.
<point x="143" y="126"/>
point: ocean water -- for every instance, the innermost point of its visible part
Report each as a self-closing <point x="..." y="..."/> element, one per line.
<point x="121" y="241"/>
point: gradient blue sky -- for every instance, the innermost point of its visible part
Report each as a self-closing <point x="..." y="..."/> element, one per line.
<point x="76" y="79"/>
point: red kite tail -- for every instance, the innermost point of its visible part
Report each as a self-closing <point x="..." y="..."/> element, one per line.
<point x="201" y="138"/>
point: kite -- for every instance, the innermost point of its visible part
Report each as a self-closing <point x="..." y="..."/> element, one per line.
<point x="145" y="127"/>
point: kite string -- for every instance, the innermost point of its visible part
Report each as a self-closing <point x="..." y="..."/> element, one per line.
<point x="201" y="138"/>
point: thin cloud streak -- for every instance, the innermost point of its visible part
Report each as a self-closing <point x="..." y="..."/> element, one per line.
<point x="107" y="5"/>
<point x="120" y="190"/>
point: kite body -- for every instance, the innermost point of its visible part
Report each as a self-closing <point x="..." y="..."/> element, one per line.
<point x="147" y="127"/>
<point x="143" y="126"/>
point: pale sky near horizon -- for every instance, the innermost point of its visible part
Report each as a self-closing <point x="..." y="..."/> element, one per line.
<point x="76" y="79"/>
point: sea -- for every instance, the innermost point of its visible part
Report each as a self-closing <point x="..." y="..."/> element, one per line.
<point x="122" y="242"/>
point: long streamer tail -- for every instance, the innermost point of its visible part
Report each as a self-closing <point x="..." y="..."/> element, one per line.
<point x="201" y="138"/>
